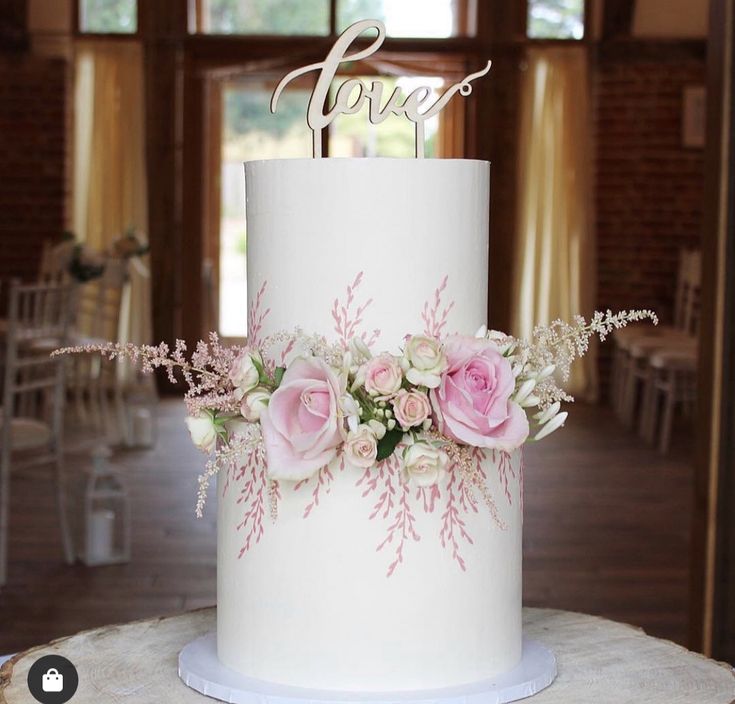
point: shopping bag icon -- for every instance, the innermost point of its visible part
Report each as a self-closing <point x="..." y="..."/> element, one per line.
<point x="52" y="681"/>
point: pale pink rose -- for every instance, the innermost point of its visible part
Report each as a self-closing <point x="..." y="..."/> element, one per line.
<point x="383" y="375"/>
<point x="301" y="424"/>
<point x="361" y="447"/>
<point x="472" y="403"/>
<point x="411" y="408"/>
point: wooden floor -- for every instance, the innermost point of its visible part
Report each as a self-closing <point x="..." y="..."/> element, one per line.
<point x="606" y="532"/>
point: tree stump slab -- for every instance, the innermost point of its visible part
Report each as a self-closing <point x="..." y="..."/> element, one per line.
<point x="598" y="660"/>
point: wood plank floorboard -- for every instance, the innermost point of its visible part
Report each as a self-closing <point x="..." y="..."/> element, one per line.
<point x="606" y="532"/>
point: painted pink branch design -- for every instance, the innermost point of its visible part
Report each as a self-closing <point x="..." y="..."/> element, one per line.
<point x="402" y="527"/>
<point x="428" y="496"/>
<point x="323" y="483"/>
<point x="454" y="529"/>
<point x="504" y="463"/>
<point x="434" y="315"/>
<point x="252" y="497"/>
<point x="375" y="477"/>
<point x="257" y="316"/>
<point x="347" y="316"/>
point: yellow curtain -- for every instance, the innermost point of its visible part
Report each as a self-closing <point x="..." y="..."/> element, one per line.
<point x="109" y="165"/>
<point x="554" y="273"/>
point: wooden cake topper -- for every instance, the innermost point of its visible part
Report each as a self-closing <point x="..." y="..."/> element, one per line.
<point x="319" y="115"/>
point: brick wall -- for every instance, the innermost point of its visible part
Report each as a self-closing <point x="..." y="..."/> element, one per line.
<point x="32" y="159"/>
<point x="649" y="188"/>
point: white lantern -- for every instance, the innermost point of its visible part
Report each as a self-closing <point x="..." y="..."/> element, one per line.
<point x="106" y="526"/>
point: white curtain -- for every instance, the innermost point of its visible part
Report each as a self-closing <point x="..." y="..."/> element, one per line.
<point x="109" y="164"/>
<point x="554" y="273"/>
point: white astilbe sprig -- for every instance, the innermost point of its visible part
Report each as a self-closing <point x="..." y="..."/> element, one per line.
<point x="303" y="344"/>
<point x="539" y="364"/>
<point x="227" y="457"/>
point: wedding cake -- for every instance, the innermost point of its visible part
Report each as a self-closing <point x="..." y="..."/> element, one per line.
<point x="367" y="439"/>
<point x="364" y="582"/>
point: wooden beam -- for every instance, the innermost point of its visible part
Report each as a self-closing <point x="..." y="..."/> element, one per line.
<point x="712" y="623"/>
<point x="617" y="19"/>
<point x="163" y="31"/>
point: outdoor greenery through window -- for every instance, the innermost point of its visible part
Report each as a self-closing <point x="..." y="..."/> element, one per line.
<point x="403" y="18"/>
<point x="108" y="16"/>
<point x="556" y="19"/>
<point x="265" y="17"/>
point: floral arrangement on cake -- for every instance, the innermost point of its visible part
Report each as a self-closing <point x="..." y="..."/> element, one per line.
<point x="285" y="408"/>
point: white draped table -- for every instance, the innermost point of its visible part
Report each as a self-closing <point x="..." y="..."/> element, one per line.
<point x="599" y="661"/>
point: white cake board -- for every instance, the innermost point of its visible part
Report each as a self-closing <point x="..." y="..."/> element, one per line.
<point x="201" y="670"/>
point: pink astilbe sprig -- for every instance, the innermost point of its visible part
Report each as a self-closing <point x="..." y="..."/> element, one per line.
<point x="434" y="315"/>
<point x="246" y="444"/>
<point x="205" y="374"/>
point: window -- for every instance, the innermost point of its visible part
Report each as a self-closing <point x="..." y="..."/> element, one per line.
<point x="108" y="16"/>
<point x="556" y="19"/>
<point x="403" y="18"/>
<point x="289" y="17"/>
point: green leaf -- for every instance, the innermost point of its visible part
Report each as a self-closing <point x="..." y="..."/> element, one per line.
<point x="388" y="443"/>
<point x="278" y="376"/>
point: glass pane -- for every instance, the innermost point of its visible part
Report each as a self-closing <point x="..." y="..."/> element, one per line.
<point x="403" y="18"/>
<point x="556" y="19"/>
<point x="265" y="16"/>
<point x="249" y="132"/>
<point x="108" y="16"/>
<point x="354" y="135"/>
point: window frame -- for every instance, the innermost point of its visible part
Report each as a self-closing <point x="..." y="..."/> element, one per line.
<point x="79" y="33"/>
<point x="570" y="41"/>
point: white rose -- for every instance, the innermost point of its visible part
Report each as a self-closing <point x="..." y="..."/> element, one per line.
<point x="253" y="404"/>
<point x="243" y="374"/>
<point x="424" y="464"/>
<point x="361" y="447"/>
<point x="351" y="410"/>
<point x="203" y="431"/>
<point x="423" y="361"/>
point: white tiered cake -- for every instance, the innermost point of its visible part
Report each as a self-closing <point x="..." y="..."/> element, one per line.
<point x="384" y="247"/>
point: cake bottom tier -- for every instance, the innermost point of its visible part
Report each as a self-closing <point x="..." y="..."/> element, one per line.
<point x="363" y="583"/>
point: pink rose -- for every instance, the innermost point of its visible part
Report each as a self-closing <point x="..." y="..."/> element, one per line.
<point x="383" y="375"/>
<point x="411" y="408"/>
<point x="301" y="423"/>
<point x="472" y="403"/>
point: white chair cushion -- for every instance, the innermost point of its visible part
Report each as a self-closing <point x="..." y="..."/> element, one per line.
<point x="684" y="358"/>
<point x="27" y="433"/>
<point x="641" y="335"/>
<point x="645" y="347"/>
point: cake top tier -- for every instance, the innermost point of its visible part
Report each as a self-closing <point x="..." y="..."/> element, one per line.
<point x="400" y="226"/>
<point x="351" y="95"/>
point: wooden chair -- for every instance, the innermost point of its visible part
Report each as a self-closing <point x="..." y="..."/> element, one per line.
<point x="33" y="383"/>
<point x="95" y="381"/>
<point x="634" y="347"/>
<point x="671" y="379"/>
